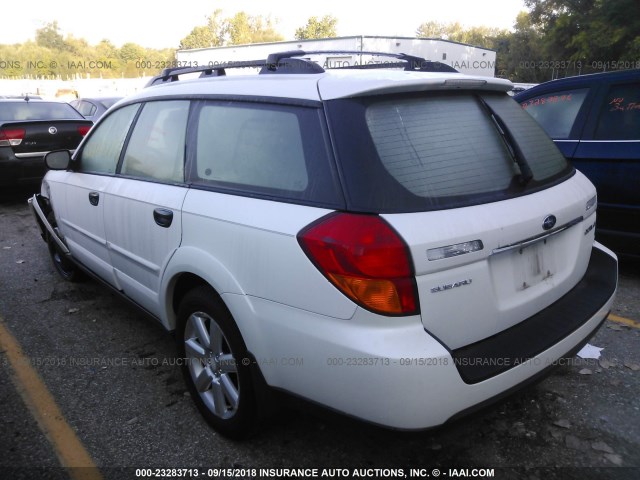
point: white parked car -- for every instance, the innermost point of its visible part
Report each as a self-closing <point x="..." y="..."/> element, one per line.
<point x="401" y="246"/>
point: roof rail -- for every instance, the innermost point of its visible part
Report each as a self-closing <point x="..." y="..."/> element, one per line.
<point x="288" y="63"/>
<point x="408" y="62"/>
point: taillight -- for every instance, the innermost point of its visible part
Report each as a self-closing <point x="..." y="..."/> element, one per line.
<point x="365" y="259"/>
<point x="83" y="130"/>
<point x="11" y="137"/>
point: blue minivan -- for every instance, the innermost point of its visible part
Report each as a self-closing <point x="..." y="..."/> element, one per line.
<point x="595" y="122"/>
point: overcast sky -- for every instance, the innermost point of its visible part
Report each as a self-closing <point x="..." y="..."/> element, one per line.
<point x="158" y="24"/>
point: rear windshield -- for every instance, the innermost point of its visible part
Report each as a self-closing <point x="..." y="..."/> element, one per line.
<point x="37" y="110"/>
<point x="431" y="151"/>
<point x="109" y="102"/>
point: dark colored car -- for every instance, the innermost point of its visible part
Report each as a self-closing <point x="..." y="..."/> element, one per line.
<point x="93" y="108"/>
<point x="595" y="121"/>
<point x="29" y="130"/>
<point x="22" y="97"/>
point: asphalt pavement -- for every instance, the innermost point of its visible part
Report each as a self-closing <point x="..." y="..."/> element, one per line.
<point x="111" y="372"/>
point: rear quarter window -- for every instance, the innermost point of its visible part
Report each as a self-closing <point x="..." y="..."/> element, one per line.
<point x="274" y="151"/>
<point x="252" y="147"/>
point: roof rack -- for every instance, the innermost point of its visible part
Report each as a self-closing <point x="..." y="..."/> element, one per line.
<point x="407" y="62"/>
<point x="172" y="74"/>
<point x="288" y="63"/>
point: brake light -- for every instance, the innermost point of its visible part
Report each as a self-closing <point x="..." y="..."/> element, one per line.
<point x="365" y="259"/>
<point x="83" y="130"/>
<point x="11" y="137"/>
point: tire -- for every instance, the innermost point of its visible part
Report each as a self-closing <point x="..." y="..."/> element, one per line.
<point x="68" y="270"/>
<point x="215" y="363"/>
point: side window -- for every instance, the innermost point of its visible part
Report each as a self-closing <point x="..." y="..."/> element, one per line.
<point x="254" y="146"/>
<point x="619" y="117"/>
<point x="86" y="108"/>
<point x="101" y="152"/>
<point x="556" y="111"/>
<point x="156" y="147"/>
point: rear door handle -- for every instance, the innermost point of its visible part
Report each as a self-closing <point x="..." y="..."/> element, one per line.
<point x="163" y="217"/>
<point x="94" y="198"/>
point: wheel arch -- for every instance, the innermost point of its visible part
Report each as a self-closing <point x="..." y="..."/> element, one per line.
<point x="189" y="268"/>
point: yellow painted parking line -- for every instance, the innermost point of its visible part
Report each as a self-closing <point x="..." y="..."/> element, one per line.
<point x="623" y="321"/>
<point x="46" y="412"/>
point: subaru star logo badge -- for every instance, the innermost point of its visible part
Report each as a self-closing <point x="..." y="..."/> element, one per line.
<point x="53" y="130"/>
<point x="549" y="222"/>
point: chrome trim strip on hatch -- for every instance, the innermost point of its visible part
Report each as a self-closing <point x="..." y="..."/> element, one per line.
<point x="30" y="154"/>
<point x="36" y="154"/>
<point x="537" y="238"/>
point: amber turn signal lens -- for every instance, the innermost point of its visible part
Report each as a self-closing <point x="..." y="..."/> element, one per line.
<point x="365" y="259"/>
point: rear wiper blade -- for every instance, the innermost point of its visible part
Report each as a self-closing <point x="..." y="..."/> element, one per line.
<point x="514" y="149"/>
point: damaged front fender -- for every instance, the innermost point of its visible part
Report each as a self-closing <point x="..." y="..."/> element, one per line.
<point x="41" y="209"/>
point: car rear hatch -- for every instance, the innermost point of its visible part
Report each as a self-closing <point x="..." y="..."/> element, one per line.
<point x="45" y="135"/>
<point x="483" y="269"/>
<point x="499" y="226"/>
<point x="29" y="141"/>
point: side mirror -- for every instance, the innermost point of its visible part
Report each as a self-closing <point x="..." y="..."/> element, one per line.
<point x="57" y="160"/>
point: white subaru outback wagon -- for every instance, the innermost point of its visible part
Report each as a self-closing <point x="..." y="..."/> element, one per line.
<point x="409" y="235"/>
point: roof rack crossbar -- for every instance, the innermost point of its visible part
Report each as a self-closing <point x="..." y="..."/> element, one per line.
<point x="172" y="74"/>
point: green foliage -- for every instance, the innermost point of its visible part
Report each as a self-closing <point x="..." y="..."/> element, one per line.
<point x="556" y="38"/>
<point x="590" y="35"/>
<point x="243" y="29"/>
<point x="75" y="46"/>
<point x="240" y="29"/>
<point x="480" y="36"/>
<point x="49" y="36"/>
<point x="204" y="36"/>
<point x="200" y="37"/>
<point x="52" y="56"/>
<point x="519" y="52"/>
<point x="324" y="27"/>
<point x="130" y="52"/>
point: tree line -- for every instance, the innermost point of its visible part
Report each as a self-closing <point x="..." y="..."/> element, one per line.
<point x="50" y="55"/>
<point x="554" y="38"/>
<point x="557" y="38"/>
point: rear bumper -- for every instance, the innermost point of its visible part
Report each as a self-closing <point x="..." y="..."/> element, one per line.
<point x="500" y="352"/>
<point x="393" y="373"/>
